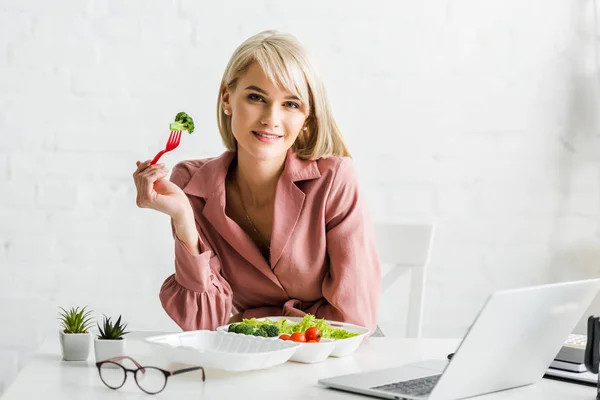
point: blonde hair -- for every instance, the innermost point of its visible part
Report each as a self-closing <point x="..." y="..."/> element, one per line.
<point x="286" y="63"/>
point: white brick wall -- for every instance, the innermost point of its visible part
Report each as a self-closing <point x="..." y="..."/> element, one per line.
<point x="479" y="116"/>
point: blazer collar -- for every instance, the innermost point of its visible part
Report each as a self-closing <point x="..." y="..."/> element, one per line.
<point x="210" y="177"/>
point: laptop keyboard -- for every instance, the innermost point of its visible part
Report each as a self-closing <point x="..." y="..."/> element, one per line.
<point x="414" y="387"/>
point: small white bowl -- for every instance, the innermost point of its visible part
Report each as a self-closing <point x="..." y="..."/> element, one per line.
<point x="311" y="353"/>
<point x="344" y="347"/>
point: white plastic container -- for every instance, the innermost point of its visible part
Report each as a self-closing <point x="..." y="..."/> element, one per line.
<point x="311" y="353"/>
<point x="334" y="348"/>
<point x="222" y="350"/>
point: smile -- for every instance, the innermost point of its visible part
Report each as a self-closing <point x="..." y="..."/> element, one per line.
<point x="266" y="136"/>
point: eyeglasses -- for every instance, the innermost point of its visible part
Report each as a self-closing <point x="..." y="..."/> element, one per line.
<point x="151" y="380"/>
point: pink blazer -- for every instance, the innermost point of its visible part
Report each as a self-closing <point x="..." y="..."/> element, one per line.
<point x="323" y="256"/>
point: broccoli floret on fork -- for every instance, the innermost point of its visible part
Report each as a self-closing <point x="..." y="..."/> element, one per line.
<point x="183" y="122"/>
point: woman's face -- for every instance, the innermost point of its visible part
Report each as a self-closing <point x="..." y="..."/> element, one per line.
<point x="265" y="119"/>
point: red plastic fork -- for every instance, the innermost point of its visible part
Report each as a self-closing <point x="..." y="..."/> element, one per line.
<point x="172" y="143"/>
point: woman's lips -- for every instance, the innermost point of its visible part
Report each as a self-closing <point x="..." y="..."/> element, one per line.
<point x="266" y="137"/>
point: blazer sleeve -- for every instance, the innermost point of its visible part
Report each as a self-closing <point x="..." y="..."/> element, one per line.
<point x="196" y="296"/>
<point x="352" y="288"/>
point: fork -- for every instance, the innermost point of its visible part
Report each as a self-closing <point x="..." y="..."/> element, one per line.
<point x="172" y="143"/>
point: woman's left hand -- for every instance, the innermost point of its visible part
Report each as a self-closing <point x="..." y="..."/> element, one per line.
<point x="236" y="318"/>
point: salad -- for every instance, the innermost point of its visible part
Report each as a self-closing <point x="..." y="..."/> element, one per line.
<point x="310" y="329"/>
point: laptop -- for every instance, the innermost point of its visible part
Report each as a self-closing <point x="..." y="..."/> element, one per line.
<point x="511" y="343"/>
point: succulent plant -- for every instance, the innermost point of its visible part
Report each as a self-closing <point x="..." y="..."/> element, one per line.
<point x="112" y="331"/>
<point x="75" y="320"/>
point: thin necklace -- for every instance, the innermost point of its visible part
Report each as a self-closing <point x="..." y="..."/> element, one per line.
<point x="262" y="239"/>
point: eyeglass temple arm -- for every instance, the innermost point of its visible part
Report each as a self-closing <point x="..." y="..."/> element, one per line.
<point x="181" y="371"/>
<point x="126" y="358"/>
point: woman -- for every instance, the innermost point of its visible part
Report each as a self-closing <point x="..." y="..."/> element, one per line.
<point x="276" y="225"/>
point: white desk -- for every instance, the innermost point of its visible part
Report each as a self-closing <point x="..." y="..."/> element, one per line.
<point x="47" y="377"/>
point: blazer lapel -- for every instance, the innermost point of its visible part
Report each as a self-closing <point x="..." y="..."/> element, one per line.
<point x="289" y="200"/>
<point x="214" y="212"/>
<point x="208" y="182"/>
<point x="288" y="205"/>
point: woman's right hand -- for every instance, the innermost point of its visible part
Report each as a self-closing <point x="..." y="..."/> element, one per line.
<point x="158" y="193"/>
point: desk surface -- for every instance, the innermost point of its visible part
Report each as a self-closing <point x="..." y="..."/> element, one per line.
<point x="47" y="376"/>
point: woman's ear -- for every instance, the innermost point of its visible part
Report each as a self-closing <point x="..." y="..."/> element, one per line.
<point x="225" y="97"/>
<point x="307" y="123"/>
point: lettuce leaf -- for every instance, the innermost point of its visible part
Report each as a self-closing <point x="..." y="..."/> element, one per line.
<point x="309" y="320"/>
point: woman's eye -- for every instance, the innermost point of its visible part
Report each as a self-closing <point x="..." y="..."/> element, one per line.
<point x="255" y="97"/>
<point x="291" y="104"/>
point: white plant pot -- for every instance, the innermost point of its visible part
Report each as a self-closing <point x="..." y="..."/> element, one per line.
<point x="75" y="346"/>
<point x="106" y="348"/>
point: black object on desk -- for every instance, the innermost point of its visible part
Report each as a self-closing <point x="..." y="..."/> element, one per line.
<point x="592" y="350"/>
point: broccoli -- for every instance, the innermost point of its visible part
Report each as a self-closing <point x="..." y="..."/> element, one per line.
<point x="271" y="330"/>
<point x="245" y="329"/>
<point x="261" y="332"/>
<point x="242" y="328"/>
<point x="183" y="122"/>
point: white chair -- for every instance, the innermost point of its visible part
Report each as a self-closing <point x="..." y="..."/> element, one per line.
<point x="407" y="248"/>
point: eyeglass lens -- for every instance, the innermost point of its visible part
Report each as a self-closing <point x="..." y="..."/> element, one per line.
<point x="151" y="380"/>
<point x="112" y="374"/>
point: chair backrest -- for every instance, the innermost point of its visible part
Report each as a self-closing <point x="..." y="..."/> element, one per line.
<point x="406" y="246"/>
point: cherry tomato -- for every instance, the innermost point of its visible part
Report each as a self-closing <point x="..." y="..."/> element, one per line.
<point x="298" y="337"/>
<point x="312" y="333"/>
<point x="284" y="337"/>
<point x="311" y="341"/>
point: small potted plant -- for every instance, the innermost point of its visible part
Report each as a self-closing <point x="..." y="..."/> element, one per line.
<point x="110" y="342"/>
<point x="75" y="338"/>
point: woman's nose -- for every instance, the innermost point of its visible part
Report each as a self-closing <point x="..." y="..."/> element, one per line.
<point x="271" y="116"/>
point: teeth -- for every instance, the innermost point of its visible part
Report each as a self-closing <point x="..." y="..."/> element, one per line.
<point x="267" y="136"/>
